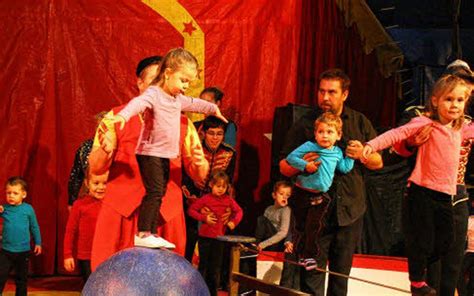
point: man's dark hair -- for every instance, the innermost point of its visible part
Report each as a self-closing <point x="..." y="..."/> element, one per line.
<point x="16" y="180"/>
<point x="218" y="94"/>
<point x="337" y="74"/>
<point x="143" y="64"/>
<point x="213" y="122"/>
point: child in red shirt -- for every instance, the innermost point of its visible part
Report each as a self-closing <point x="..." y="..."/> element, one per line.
<point x="81" y="225"/>
<point x="210" y="249"/>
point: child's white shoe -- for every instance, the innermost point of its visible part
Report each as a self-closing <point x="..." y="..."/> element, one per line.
<point x="163" y="243"/>
<point x="151" y="241"/>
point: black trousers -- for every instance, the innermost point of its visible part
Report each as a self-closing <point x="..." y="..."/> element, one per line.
<point x="311" y="211"/>
<point x="443" y="275"/>
<point x="191" y="237"/>
<point x="210" y="262"/>
<point x="337" y="244"/>
<point x="333" y="242"/>
<point x="19" y="263"/>
<point x="155" y="173"/>
<point x="428" y="227"/>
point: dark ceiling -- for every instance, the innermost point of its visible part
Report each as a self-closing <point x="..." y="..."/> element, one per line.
<point x="422" y="13"/>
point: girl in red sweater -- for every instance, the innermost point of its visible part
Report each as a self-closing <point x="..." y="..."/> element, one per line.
<point x="210" y="249"/>
<point x="81" y="226"/>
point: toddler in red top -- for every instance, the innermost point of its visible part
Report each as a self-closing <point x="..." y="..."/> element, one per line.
<point x="81" y="226"/>
<point x="210" y="249"/>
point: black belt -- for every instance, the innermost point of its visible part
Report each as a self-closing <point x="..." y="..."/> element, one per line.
<point x="461" y="195"/>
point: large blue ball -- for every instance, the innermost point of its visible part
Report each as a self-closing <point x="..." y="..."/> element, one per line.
<point x="141" y="271"/>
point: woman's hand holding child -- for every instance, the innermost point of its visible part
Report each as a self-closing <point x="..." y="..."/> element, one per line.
<point x="211" y="219"/>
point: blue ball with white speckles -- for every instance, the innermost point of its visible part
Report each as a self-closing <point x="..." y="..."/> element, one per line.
<point x="141" y="271"/>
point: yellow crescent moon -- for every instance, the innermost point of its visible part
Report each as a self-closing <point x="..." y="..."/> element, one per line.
<point x="177" y="16"/>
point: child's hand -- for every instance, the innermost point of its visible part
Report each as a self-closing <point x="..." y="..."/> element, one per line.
<point x="37" y="251"/>
<point x="366" y="152"/>
<point x="115" y="119"/>
<point x="2" y="209"/>
<point x="259" y="247"/>
<point x="231" y="225"/>
<point x="220" y="116"/>
<point x="312" y="167"/>
<point x="288" y="247"/>
<point x="206" y="211"/>
<point x="211" y="219"/>
<point x="69" y="264"/>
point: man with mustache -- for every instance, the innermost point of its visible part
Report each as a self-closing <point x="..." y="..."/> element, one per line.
<point x="342" y="223"/>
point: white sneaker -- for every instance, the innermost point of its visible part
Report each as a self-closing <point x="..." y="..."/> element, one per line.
<point x="163" y="243"/>
<point x="152" y="241"/>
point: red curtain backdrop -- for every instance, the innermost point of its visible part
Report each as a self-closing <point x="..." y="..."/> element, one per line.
<point x="327" y="43"/>
<point x="64" y="61"/>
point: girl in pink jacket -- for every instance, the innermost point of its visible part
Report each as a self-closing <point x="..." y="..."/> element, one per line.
<point x="427" y="212"/>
